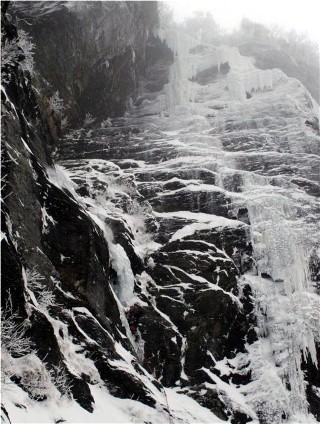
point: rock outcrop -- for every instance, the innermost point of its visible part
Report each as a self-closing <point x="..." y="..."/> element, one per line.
<point x="52" y="246"/>
<point x="104" y="49"/>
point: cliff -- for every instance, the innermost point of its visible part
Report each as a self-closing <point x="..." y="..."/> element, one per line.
<point x="196" y="201"/>
<point x="92" y="53"/>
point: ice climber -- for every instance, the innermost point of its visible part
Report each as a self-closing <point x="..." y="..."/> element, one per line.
<point x="133" y="316"/>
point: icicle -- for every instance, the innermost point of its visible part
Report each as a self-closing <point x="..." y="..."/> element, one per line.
<point x="125" y="279"/>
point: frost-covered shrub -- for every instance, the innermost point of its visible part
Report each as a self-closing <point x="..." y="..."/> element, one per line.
<point x="19" y="363"/>
<point x="19" y="50"/>
<point x="88" y="120"/>
<point x="60" y="380"/>
<point x="35" y="379"/>
<point x="26" y="44"/>
<point x="14" y="342"/>
<point x="106" y="123"/>
<point x="64" y="123"/>
<point x="13" y="333"/>
<point x="44" y="297"/>
<point x="74" y="134"/>
<point x="34" y="279"/>
<point x="9" y="51"/>
<point x="56" y="104"/>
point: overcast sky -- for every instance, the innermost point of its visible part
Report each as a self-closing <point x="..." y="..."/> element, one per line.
<point x="301" y="15"/>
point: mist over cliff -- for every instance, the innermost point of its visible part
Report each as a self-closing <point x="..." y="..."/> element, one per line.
<point x="160" y="219"/>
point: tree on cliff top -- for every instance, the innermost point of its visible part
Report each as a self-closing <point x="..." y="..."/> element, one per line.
<point x="202" y="27"/>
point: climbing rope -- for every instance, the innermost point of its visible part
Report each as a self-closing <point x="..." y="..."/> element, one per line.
<point x="166" y="397"/>
<point x="162" y="389"/>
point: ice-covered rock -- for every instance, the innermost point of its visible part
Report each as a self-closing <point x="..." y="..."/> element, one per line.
<point x="200" y="206"/>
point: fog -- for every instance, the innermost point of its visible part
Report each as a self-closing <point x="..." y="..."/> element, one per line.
<point x="302" y="16"/>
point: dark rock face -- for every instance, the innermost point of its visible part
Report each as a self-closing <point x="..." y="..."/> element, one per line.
<point x="162" y="349"/>
<point x="190" y="285"/>
<point x="195" y="201"/>
<point x="189" y="274"/>
<point x="208" y="75"/>
<point x="97" y="52"/>
<point x="158" y="57"/>
<point x="47" y="232"/>
<point x="84" y="268"/>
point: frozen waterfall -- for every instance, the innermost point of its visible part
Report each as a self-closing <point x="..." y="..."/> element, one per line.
<point x="207" y="121"/>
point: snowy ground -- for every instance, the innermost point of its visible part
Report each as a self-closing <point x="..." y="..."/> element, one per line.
<point x="108" y="409"/>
